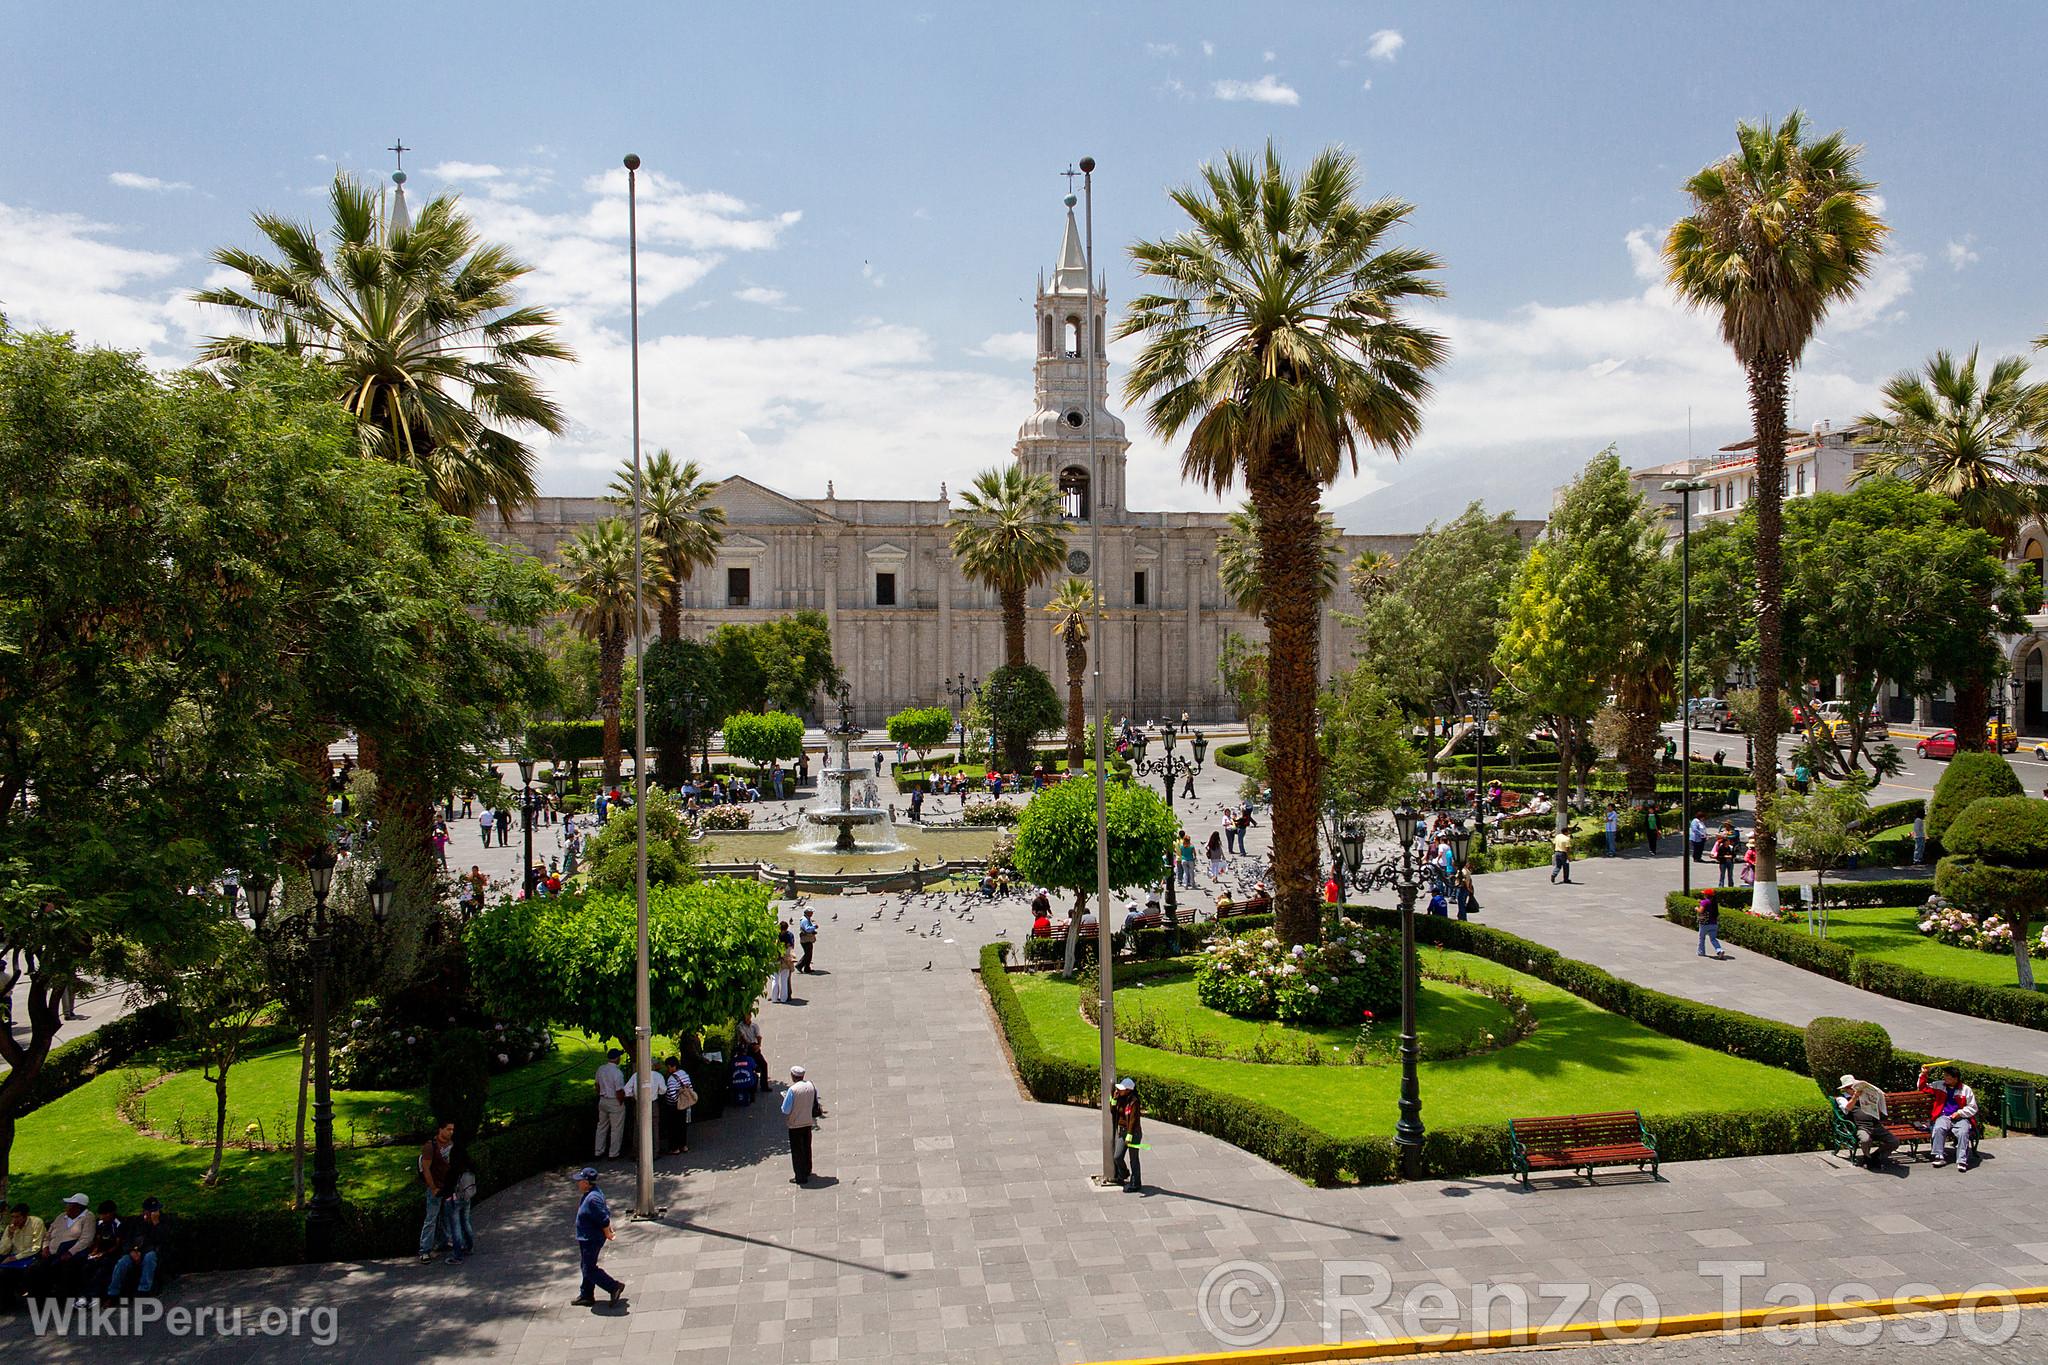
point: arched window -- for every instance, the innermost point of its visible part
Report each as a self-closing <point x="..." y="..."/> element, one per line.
<point x="2032" y="555"/>
<point x="1045" y="336"/>
<point x="1074" y="493"/>
<point x="1073" y="337"/>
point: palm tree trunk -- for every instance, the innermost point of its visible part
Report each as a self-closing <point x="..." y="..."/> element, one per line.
<point x="611" y="667"/>
<point x="1290" y="553"/>
<point x="1013" y="627"/>
<point x="1639" y="738"/>
<point x="1077" y="709"/>
<point x="1767" y="377"/>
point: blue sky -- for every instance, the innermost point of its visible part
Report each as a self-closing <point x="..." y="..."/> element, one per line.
<point x="846" y="204"/>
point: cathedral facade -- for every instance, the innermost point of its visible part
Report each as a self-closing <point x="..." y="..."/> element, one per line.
<point x="906" y="623"/>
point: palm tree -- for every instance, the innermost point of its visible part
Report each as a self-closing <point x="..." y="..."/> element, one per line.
<point x="1277" y="346"/>
<point x="598" y="567"/>
<point x="1237" y="560"/>
<point x="1781" y="230"/>
<point x="419" y="324"/>
<point x="1008" y="536"/>
<point x="1074" y="606"/>
<point x="683" y="529"/>
<point x="1976" y="443"/>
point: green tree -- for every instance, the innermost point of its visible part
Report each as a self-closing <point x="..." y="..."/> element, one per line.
<point x="1576" y="611"/>
<point x="419" y="328"/>
<point x="1008" y="536"/>
<point x="1276" y="346"/>
<point x="1367" y="759"/>
<point x="1056" y="841"/>
<point x="598" y="567"/>
<point x="568" y="961"/>
<point x="795" y="655"/>
<point x="1241" y="667"/>
<point x="1997" y="863"/>
<point x="683" y="531"/>
<point x="1976" y="443"/>
<point x="923" y="728"/>
<point x="1073" y="607"/>
<point x="685" y="701"/>
<point x="1021" y="705"/>
<point x="573" y="667"/>
<point x="612" y="859"/>
<point x="762" y="737"/>
<point x="1237" y="560"/>
<point x="1781" y="230"/>
<point x="1973" y="776"/>
<point x="742" y="682"/>
<point x="1823" y="828"/>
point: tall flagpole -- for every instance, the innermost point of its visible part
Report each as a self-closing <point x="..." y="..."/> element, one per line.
<point x="643" y="1030"/>
<point x="1105" y="956"/>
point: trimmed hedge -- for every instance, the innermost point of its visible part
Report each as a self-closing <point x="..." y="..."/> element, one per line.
<point x="1786" y="943"/>
<point x="1969" y="777"/>
<point x="70" y="1065"/>
<point x="1848" y="895"/>
<point x="1846" y="1047"/>
<point x="1236" y="757"/>
<point x="1887" y="814"/>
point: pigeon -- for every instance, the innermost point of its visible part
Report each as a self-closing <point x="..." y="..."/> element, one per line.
<point x="927" y="966"/>
<point x="858" y="927"/>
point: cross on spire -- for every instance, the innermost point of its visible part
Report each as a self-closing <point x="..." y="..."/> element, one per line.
<point x="398" y="146"/>
<point x="1070" y="173"/>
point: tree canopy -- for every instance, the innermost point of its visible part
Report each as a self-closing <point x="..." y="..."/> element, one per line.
<point x="1056" y="836"/>
<point x="923" y="728"/>
<point x="762" y="736"/>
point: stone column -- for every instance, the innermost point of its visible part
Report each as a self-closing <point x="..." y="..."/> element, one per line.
<point x="1190" y="686"/>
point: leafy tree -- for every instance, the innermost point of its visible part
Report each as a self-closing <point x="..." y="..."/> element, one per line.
<point x="1008" y="536"/>
<point x="1056" y="841"/>
<point x="683" y="531"/>
<point x="215" y="979"/>
<point x="1276" y="346"/>
<point x="685" y="701"/>
<point x="742" y="682"/>
<point x="761" y="737"/>
<point x="418" y="326"/>
<point x="1997" y="863"/>
<point x="568" y="961"/>
<point x="1237" y="560"/>
<point x="1021" y="705"/>
<point x="1367" y="759"/>
<point x="1574" y="612"/>
<point x="1972" y="776"/>
<point x="573" y="668"/>
<point x="1977" y="444"/>
<point x="612" y="859"/>
<point x="923" y="728"/>
<point x="598" y="567"/>
<point x="1782" y="230"/>
<point x="795" y="655"/>
<point x="1823" y="828"/>
<point x="1074" y="605"/>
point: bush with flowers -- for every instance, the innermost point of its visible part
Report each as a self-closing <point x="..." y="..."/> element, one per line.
<point x="1961" y="929"/>
<point x="988" y="813"/>
<point x="1254" y="975"/>
<point x="725" y="817"/>
<point x="378" y="1050"/>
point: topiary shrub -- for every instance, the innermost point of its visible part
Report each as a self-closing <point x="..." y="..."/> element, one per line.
<point x="1997" y="865"/>
<point x="2009" y="830"/>
<point x="1971" y="776"/>
<point x="1851" y="1047"/>
<point x="459" y="1080"/>
<point x="1353" y="971"/>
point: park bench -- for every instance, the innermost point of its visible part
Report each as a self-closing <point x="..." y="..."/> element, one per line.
<point x="1258" y="905"/>
<point x="1581" y="1142"/>
<point x="1908" y="1116"/>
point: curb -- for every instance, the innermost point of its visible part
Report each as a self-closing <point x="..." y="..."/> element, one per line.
<point x="1614" y="1329"/>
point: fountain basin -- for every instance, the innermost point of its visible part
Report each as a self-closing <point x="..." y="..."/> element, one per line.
<point x="928" y="847"/>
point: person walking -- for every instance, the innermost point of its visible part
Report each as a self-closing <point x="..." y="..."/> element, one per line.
<point x="1650" y="827"/>
<point x="456" y="1227"/>
<point x="1709" y="916"/>
<point x="611" y="1105"/>
<point x="504" y="826"/>
<point x="1724" y="854"/>
<point x="1612" y="827"/>
<point x="801" y="1110"/>
<point x="1187" y="861"/>
<point x="434" y="1173"/>
<point x="778" y="983"/>
<point x="807" y="935"/>
<point x="1129" y="1117"/>
<point x="593" y="1230"/>
<point x="1561" y="857"/>
<point x="1696" y="835"/>
<point x="1920" y="837"/>
<point x="484" y="820"/>
<point x="1216" y="865"/>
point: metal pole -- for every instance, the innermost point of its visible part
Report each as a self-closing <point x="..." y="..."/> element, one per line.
<point x="1104" y="956"/>
<point x="526" y="811"/>
<point x="323" y="1214"/>
<point x="1685" y="691"/>
<point x="1483" y="705"/>
<point x="1408" y="1129"/>
<point x="643" y="1029"/>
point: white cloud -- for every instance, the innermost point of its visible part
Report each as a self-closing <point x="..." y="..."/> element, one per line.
<point x="1961" y="253"/>
<point x="1162" y="49"/>
<point x="1265" y="90"/>
<point x="1208" y="48"/>
<point x="1010" y="347"/>
<point x="131" y="180"/>
<point x="1366" y="86"/>
<point x="1876" y="303"/>
<point x="1267" y="55"/>
<point x="764" y="296"/>
<point x="59" y="271"/>
<point x="1383" y="45"/>
<point x="1176" y="89"/>
<point x="466" y="170"/>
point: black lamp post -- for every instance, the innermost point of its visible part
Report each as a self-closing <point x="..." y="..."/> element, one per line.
<point x="1169" y="768"/>
<point x="960" y="689"/>
<point x="323" y="1212"/>
<point x="526" y="798"/>
<point x="1685" y="488"/>
<point x="1481" y="702"/>
<point x="1400" y="873"/>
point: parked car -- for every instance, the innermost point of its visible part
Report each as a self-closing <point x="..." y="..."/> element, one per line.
<point x="2004" y="736"/>
<point x="1711" y="713"/>
<point x="1940" y="744"/>
<point x="1835" y="715"/>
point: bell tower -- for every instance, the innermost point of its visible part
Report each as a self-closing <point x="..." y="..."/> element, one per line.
<point x="1072" y="331"/>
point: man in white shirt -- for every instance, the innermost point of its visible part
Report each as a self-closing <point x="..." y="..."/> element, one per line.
<point x="64" y="1246"/>
<point x="611" y="1105"/>
<point x="801" y="1111"/>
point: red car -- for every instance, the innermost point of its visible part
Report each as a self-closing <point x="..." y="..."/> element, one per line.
<point x="1940" y="744"/>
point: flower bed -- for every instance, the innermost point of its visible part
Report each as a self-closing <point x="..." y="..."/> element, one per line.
<point x="1256" y="976"/>
<point x="725" y="818"/>
<point x="988" y="813"/>
<point x="375" y="1051"/>
<point x="1961" y="929"/>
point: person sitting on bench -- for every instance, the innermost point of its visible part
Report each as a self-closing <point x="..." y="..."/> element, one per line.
<point x="1954" y="1109"/>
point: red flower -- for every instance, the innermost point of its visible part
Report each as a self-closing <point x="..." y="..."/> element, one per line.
<point x="1368" y="1014"/>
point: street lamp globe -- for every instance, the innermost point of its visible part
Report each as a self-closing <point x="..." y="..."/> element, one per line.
<point x="382" y="888"/>
<point x="1406" y="822"/>
<point x="1201" y="745"/>
<point x="1461" y="840"/>
<point x="526" y="771"/>
<point x="1352" y="840"/>
<point x="257" y="893"/>
<point x="320" y="868"/>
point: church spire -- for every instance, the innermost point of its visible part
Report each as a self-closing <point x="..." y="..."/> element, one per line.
<point x="401" y="216"/>
<point x="1070" y="276"/>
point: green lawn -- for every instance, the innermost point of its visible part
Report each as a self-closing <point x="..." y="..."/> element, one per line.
<point x="1581" y="1058"/>
<point x="1891" y="933"/>
<point x="81" y="1142"/>
<point x="1442" y="1011"/>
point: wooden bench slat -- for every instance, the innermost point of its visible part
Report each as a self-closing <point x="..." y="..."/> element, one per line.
<point x="1580" y="1142"/>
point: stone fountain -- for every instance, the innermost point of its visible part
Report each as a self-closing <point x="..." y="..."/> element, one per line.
<point x="846" y="817"/>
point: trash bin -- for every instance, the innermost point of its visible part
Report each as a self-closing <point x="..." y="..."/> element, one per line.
<point x="2022" y="1108"/>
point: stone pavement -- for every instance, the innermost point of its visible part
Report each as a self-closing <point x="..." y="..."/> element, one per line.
<point x="955" y="1219"/>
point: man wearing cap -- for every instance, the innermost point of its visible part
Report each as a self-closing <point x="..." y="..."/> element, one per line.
<point x="611" y="1105"/>
<point x="64" y="1247"/>
<point x="1130" y="1134"/>
<point x="1863" y="1105"/>
<point x="801" y="1111"/>
<point x="144" y="1243"/>
<point x="593" y="1230"/>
